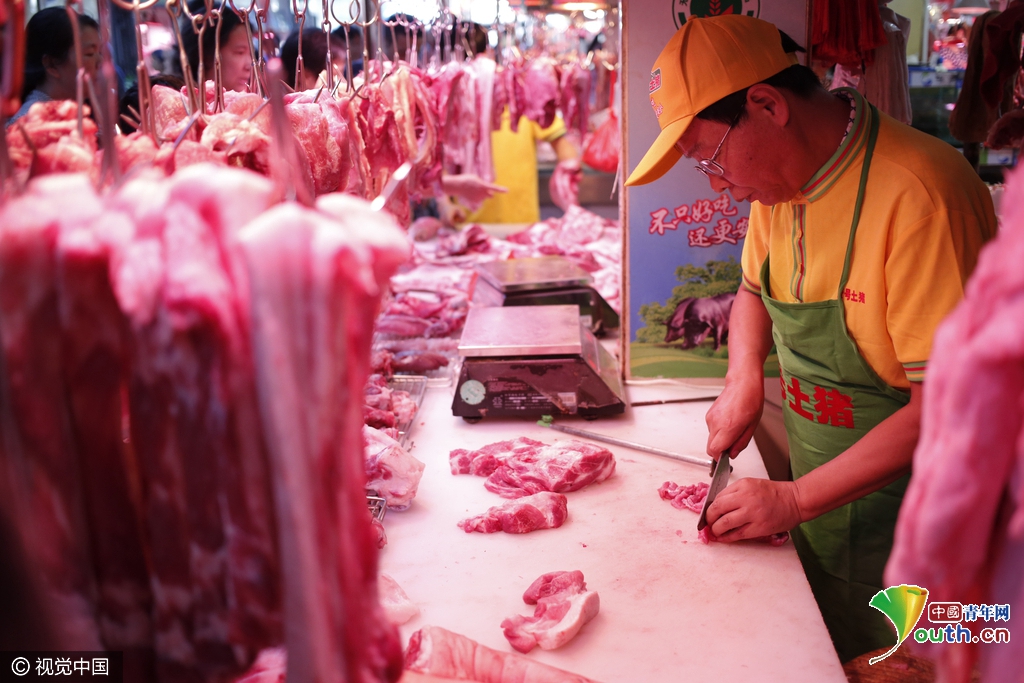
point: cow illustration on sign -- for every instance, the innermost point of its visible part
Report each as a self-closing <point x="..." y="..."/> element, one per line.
<point x="696" y="318"/>
<point x="696" y="314"/>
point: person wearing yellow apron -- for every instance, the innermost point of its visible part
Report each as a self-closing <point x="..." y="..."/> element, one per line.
<point x="862" y="234"/>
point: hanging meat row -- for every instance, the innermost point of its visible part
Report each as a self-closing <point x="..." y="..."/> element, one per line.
<point x="181" y="444"/>
<point x="350" y="141"/>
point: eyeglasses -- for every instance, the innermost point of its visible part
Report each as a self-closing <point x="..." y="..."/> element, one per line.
<point x="710" y="167"/>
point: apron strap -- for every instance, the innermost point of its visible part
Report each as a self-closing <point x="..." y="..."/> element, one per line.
<point x="868" y="153"/>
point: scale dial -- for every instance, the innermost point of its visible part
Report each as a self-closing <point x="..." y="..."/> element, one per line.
<point x="472" y="392"/>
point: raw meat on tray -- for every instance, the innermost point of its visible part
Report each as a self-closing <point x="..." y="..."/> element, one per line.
<point x="439" y="652"/>
<point x="522" y="466"/>
<point x="544" y="510"/>
<point x="564" y="605"/>
<point x="390" y="470"/>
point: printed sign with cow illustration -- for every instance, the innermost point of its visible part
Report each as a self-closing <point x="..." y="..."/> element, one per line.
<point x="684" y="241"/>
<point x="684" y="9"/>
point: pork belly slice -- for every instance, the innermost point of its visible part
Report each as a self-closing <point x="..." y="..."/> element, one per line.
<point x="398" y="608"/>
<point x="544" y="510"/>
<point x="439" y="652"/>
<point x="563" y="606"/>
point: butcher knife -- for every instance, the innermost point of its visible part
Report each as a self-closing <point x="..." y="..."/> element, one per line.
<point x="719" y="481"/>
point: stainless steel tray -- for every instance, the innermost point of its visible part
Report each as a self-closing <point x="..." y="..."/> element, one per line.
<point x="446" y="346"/>
<point x="416" y="386"/>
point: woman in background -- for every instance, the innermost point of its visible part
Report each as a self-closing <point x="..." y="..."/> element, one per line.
<point x="235" y="50"/>
<point x="50" y="68"/>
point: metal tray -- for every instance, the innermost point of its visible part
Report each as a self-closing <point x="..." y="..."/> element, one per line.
<point x="446" y="346"/>
<point x="416" y="386"/>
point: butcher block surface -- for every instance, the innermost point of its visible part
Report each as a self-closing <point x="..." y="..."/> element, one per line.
<point x="672" y="608"/>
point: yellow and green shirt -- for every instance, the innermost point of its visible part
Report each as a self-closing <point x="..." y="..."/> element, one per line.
<point x="926" y="215"/>
<point x="515" y="167"/>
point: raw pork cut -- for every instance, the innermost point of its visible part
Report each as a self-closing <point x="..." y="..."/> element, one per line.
<point x="314" y="293"/>
<point x="325" y="157"/>
<point x="270" y="667"/>
<point x="960" y="531"/>
<point x="486" y="110"/>
<point x="397" y="605"/>
<point x="390" y="470"/>
<point x="418" y="362"/>
<point x="484" y="461"/>
<point x="522" y="466"/>
<point x="692" y="497"/>
<point x="39" y="467"/>
<point x="439" y="652"/>
<point x="195" y="424"/>
<point x="94" y="355"/>
<point x="575" y="96"/>
<point x="685" y="497"/>
<point x="564" y="605"/>
<point x="542" y="89"/>
<point x="544" y="510"/>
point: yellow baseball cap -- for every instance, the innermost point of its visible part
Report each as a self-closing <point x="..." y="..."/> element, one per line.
<point x="707" y="59"/>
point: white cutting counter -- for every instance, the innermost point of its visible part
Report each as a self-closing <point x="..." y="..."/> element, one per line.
<point x="672" y="608"/>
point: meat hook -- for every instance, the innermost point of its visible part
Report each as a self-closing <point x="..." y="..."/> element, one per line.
<point x="400" y="174"/>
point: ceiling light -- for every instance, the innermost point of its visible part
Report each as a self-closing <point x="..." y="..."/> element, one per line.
<point x="578" y="6"/>
<point x="970" y="7"/>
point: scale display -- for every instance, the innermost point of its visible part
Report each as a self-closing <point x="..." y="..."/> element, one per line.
<point x="534" y="361"/>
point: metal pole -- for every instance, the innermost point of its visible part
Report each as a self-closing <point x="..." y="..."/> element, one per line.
<point x="692" y="459"/>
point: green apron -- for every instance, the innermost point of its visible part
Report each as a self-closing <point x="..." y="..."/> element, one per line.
<point x="832" y="398"/>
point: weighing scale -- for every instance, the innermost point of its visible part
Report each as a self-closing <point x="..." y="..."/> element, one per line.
<point x="544" y="281"/>
<point x="528" y="361"/>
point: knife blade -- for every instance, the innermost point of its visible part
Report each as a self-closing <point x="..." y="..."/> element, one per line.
<point x="718" y="482"/>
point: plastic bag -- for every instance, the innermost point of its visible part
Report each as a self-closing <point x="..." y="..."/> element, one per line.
<point x="601" y="152"/>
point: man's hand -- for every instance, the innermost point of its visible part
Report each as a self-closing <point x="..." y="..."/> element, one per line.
<point x="751" y="508"/>
<point x="470" y="189"/>
<point x="734" y="415"/>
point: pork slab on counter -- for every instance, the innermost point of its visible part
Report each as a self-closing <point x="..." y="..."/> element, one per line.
<point x="544" y="510"/>
<point x="440" y="652"/>
<point x="563" y="606"/>
<point x="521" y="467"/>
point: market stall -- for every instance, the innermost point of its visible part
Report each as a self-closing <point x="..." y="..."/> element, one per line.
<point x="355" y="360"/>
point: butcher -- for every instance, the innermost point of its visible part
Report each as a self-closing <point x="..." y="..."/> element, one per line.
<point x="863" y="232"/>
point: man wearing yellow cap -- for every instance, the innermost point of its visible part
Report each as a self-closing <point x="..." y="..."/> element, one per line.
<point x="862" y="234"/>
